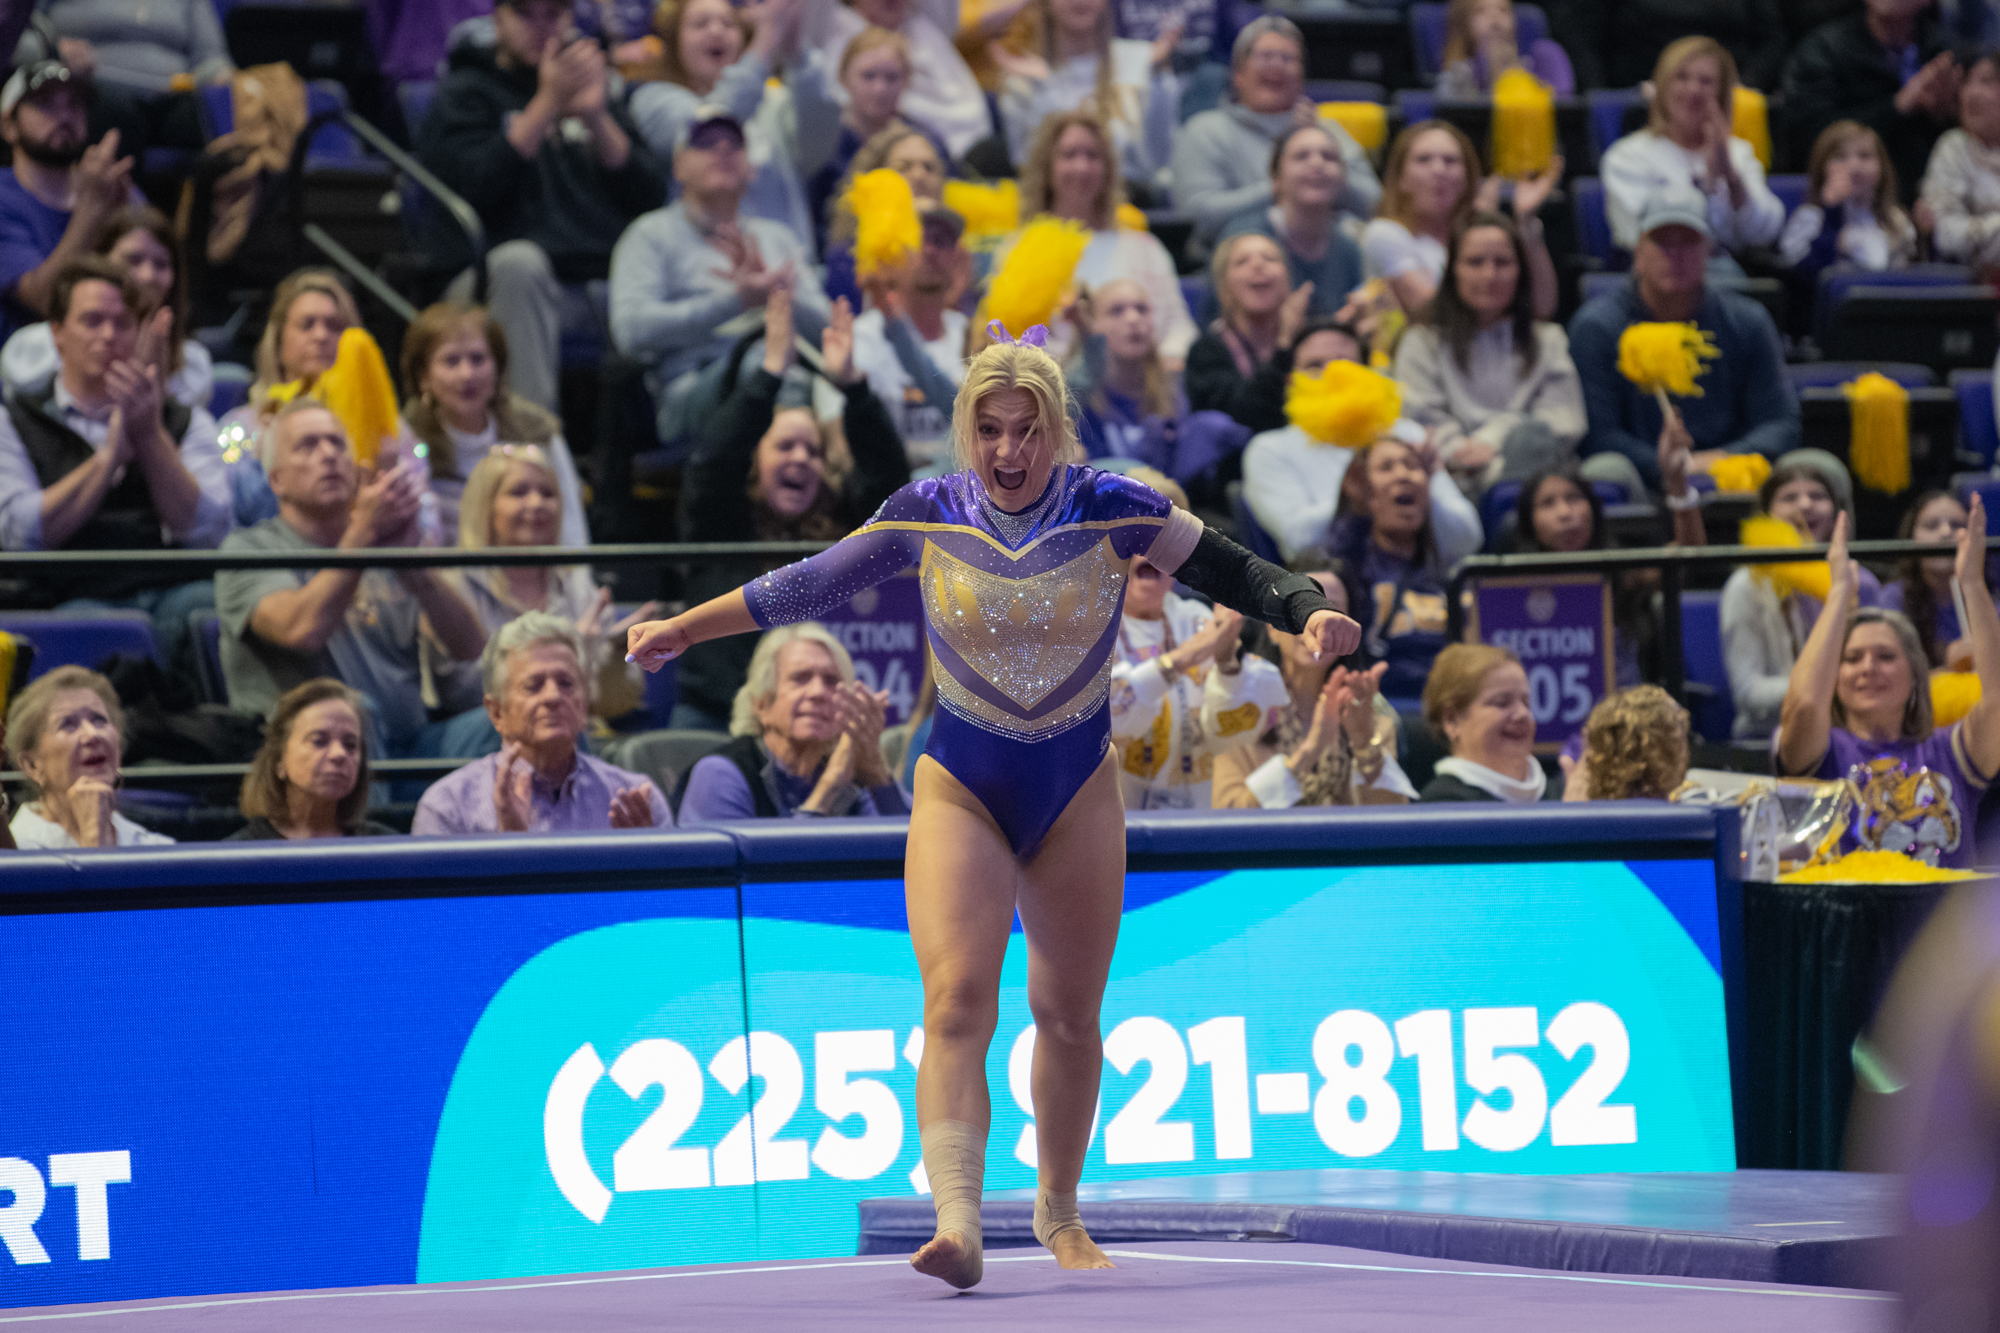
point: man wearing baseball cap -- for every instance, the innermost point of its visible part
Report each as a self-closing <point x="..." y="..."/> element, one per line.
<point x="526" y="132"/>
<point x="1747" y="404"/>
<point x="58" y="191"/>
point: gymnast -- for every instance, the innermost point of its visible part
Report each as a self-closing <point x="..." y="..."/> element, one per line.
<point x="1022" y="563"/>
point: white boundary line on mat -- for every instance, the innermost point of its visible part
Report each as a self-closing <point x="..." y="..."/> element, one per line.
<point x="425" y="1290"/>
<point x="1532" y="1277"/>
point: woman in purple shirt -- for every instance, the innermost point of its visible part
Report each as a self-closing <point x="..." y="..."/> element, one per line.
<point x="1859" y="707"/>
<point x="1023" y="563"/>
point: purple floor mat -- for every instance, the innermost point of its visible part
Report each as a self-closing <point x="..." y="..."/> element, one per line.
<point x="1820" y="1228"/>
<point x="1154" y="1289"/>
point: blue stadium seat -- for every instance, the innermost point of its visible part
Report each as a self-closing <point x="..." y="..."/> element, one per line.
<point x="1345" y="90"/>
<point x="1414" y="104"/>
<point x="1531" y="25"/>
<point x="1791" y="191"/>
<point x="414" y="96"/>
<point x="333" y="144"/>
<point x="1608" y="109"/>
<point x="230" y="388"/>
<point x="1194" y="290"/>
<point x="1593" y="224"/>
<point x="1945" y="326"/>
<point x="1977" y="430"/>
<point x="1713" y="708"/>
<point x="1835" y="282"/>
<point x="1833" y="374"/>
<point x="206" y="629"/>
<point x="1248" y="529"/>
<point x="1594" y="285"/>
<point x="81" y="638"/>
<point x="1987" y="490"/>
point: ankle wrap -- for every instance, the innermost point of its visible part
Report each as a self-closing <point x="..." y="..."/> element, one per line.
<point x="1055" y="1213"/>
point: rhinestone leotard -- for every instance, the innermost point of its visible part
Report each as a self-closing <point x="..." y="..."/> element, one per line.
<point x="1022" y="612"/>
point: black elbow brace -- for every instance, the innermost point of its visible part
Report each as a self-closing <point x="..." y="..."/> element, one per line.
<point x="1220" y="569"/>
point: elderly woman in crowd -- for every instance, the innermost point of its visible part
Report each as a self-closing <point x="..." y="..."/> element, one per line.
<point x="540" y="781"/>
<point x="1324" y="736"/>
<point x="1308" y="180"/>
<point x="1689" y="142"/>
<point x="1476" y="700"/>
<point x="1240" y="366"/>
<point x="808" y="740"/>
<point x="1858" y="706"/>
<point x="1494" y="385"/>
<point x="454" y="367"/>
<point x="1961" y="190"/>
<point x="1220" y="155"/>
<point x="1431" y="187"/>
<point x="1125" y="84"/>
<point x="1764" y="618"/>
<point x="139" y="239"/>
<point x="1635" y="747"/>
<point x="715" y="54"/>
<point x="310" y="779"/>
<point x="768" y="469"/>
<point x="1072" y="173"/>
<point x="67" y="733"/>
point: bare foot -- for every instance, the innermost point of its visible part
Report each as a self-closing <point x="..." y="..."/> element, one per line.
<point x="1073" y="1248"/>
<point x="947" y="1257"/>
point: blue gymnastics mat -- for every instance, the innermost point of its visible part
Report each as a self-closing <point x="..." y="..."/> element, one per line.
<point x="1815" y="1228"/>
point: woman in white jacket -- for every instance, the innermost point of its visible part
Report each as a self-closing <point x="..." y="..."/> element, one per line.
<point x="1688" y="142"/>
<point x="1495" y="387"/>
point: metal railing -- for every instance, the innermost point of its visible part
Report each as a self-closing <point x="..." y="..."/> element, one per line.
<point x="1672" y="563"/>
<point x="198" y="564"/>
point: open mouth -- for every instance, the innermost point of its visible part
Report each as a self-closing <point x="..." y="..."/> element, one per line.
<point x="1010" y="479"/>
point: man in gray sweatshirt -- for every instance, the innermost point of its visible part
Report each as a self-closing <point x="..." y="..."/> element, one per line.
<point x="1222" y="158"/>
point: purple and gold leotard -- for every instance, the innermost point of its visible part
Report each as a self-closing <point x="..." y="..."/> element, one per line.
<point x="1022" y="613"/>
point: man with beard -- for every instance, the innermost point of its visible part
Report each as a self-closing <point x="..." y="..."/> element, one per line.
<point x="59" y="190"/>
<point x="910" y="342"/>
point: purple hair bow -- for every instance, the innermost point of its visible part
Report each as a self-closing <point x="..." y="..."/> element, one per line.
<point x="1038" y="336"/>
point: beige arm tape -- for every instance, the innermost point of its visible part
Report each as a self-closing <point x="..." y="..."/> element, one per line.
<point x="1175" y="542"/>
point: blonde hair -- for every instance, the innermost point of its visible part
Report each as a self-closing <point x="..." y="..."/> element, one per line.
<point x="761" y="681"/>
<point x="1458" y="43"/>
<point x="872" y="38"/>
<point x="871" y="156"/>
<point x="1669" y="64"/>
<point x="1396" y="204"/>
<point x="1104" y="101"/>
<point x="1004" y="366"/>
<point x="1158" y="394"/>
<point x="475" y="504"/>
<point x="1636" y="745"/>
<point x="667" y="19"/>
<point x="270" y="371"/>
<point x="1038" y="189"/>
<point x="30" y="713"/>
<point x="1456" y="678"/>
<point x="263" y="792"/>
<point x="1218" y="270"/>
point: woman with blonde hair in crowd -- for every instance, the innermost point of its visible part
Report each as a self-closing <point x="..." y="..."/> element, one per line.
<point x="715" y="54"/>
<point x="874" y="71"/>
<point x="1017" y="808"/>
<point x="1635" y="747"/>
<point x="1240" y="366"/>
<point x="1476" y="701"/>
<point x="1851" y="214"/>
<point x="1690" y="143"/>
<point x="454" y="367"/>
<point x="1126" y="85"/>
<point x="1321" y="734"/>
<point x="1431" y="186"/>
<point x="1072" y="173"/>
<point x="67" y="733"/>
<point x="310" y="779"/>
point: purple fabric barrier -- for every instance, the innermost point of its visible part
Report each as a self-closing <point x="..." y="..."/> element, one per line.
<point x="1820" y="1228"/>
<point x="1157" y="1289"/>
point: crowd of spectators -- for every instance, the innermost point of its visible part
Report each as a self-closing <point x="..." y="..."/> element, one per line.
<point x="675" y="189"/>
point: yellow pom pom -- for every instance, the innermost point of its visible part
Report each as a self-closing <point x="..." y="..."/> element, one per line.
<point x="1035" y="274"/>
<point x="1750" y="121"/>
<point x="1879" y="440"/>
<point x="1367" y="123"/>
<point x="1811" y="577"/>
<point x="1665" y="356"/>
<point x="1131" y="218"/>
<point x="1524" y="124"/>
<point x="1874" y="867"/>
<point x="1344" y="404"/>
<point x="358" y="390"/>
<point x="1953" y="693"/>
<point x="1740" y="472"/>
<point x="886" y="228"/>
<point x="989" y="210"/>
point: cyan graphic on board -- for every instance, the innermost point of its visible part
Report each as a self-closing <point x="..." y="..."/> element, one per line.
<point x="612" y="1109"/>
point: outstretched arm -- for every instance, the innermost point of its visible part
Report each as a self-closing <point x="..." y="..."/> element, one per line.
<point x="1805" y="726"/>
<point x="656" y="642"/>
<point x="1233" y="577"/>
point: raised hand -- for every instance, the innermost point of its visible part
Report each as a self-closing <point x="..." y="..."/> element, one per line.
<point x="101" y="180"/>
<point x="632" y="807"/>
<point x="513" y="783"/>
<point x="863" y="714"/>
<point x="1167" y="41"/>
<point x="654" y="643"/>
<point x="590" y="623"/>
<point x="92" y="803"/>
<point x="1486" y="198"/>
<point x="1530" y="194"/>
<point x="1970" y="566"/>
<point x="836" y="343"/>
<point x="1359" y="716"/>
<point x="1332" y="634"/>
<point x="1292" y="314"/>
<point x="1212" y="639"/>
<point x="1576" y="777"/>
<point x="779" y="351"/>
<point x="1842" y="565"/>
<point x="385" y="508"/>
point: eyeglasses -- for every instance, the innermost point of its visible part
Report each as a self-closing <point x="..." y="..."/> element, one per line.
<point x="1275" y="56"/>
